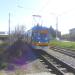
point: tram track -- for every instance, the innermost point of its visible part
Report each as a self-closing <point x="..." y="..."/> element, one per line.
<point x="66" y="51"/>
<point x="55" y="65"/>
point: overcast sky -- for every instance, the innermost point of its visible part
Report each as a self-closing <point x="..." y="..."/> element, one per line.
<point x="21" y="12"/>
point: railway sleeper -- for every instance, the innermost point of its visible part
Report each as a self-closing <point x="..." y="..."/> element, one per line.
<point x="59" y="68"/>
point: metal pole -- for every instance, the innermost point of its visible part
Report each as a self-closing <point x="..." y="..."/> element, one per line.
<point x="56" y="27"/>
<point x="9" y="27"/>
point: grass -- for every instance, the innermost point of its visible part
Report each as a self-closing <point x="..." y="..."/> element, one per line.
<point x="3" y="46"/>
<point x="70" y="45"/>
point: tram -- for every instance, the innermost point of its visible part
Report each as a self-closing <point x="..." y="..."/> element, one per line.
<point x="38" y="37"/>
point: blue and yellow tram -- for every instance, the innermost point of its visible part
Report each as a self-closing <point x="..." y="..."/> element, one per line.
<point x="38" y="36"/>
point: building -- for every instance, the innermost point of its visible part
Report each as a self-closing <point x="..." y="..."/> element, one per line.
<point x="72" y="31"/>
<point x="72" y="34"/>
<point x="2" y="33"/>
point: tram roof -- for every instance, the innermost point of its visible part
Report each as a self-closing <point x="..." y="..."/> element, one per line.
<point x="39" y="28"/>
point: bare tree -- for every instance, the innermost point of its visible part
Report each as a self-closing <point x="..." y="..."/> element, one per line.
<point x="18" y="33"/>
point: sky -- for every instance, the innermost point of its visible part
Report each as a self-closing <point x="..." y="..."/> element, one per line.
<point x="21" y="12"/>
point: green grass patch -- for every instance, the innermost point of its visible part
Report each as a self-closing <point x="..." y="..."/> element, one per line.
<point x="3" y="46"/>
<point x="3" y="65"/>
<point x="63" y="44"/>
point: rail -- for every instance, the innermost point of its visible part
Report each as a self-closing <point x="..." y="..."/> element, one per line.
<point x="57" y="66"/>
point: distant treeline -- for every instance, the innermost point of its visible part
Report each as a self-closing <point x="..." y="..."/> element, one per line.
<point x="53" y="32"/>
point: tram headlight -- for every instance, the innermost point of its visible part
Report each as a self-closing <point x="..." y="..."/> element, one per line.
<point x="39" y="41"/>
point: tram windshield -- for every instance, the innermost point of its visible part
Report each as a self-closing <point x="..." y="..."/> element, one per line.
<point x="42" y="37"/>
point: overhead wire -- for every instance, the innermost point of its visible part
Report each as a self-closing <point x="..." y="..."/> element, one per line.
<point x="44" y="6"/>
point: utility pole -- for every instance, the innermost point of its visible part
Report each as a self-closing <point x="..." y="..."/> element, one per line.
<point x="9" y="27"/>
<point x="57" y="27"/>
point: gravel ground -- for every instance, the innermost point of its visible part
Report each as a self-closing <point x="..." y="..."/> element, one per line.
<point x="32" y="68"/>
<point x="26" y="64"/>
